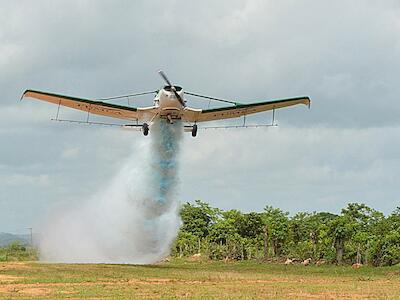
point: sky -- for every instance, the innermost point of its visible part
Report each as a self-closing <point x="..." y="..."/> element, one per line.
<point x="345" y="55"/>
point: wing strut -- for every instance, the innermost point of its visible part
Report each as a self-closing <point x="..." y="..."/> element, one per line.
<point x="127" y="96"/>
<point x="211" y="98"/>
<point x="273" y="117"/>
<point x="88" y="114"/>
<point x="58" y="109"/>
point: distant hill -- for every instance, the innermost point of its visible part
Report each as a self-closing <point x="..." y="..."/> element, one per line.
<point x="7" y="238"/>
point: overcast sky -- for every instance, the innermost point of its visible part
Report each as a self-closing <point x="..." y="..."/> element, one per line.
<point x="345" y="55"/>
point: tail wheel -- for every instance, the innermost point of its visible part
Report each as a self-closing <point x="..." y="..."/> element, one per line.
<point x="194" y="130"/>
<point x="145" y="128"/>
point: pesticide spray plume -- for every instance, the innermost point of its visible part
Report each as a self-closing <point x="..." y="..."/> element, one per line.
<point x="133" y="220"/>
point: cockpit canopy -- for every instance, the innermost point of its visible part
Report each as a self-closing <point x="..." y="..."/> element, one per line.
<point x="169" y="89"/>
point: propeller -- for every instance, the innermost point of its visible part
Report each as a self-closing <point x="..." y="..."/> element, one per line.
<point x="162" y="74"/>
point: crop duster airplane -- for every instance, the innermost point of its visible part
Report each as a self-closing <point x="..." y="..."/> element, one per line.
<point x="169" y="104"/>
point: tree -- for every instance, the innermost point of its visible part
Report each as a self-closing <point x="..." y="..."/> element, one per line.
<point x="276" y="223"/>
<point x="340" y="230"/>
<point x="198" y="218"/>
<point x="308" y="235"/>
<point x="250" y="225"/>
<point x="358" y="234"/>
<point x="384" y="247"/>
<point x="363" y="220"/>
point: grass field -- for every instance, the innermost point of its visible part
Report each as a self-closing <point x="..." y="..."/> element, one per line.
<point x="196" y="280"/>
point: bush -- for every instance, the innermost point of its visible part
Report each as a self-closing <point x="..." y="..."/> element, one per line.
<point x="16" y="251"/>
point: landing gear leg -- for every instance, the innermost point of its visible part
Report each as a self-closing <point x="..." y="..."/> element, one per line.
<point x="145" y="129"/>
<point x="194" y="130"/>
<point x="170" y="119"/>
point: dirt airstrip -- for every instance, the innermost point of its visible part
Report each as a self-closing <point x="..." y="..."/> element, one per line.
<point x="197" y="280"/>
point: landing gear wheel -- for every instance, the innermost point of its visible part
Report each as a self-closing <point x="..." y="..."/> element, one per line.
<point x="194" y="130"/>
<point x="145" y="129"/>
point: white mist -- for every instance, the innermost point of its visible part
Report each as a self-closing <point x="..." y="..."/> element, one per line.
<point x="133" y="220"/>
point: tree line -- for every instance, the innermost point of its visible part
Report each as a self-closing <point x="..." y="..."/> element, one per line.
<point x="16" y="251"/>
<point x="359" y="234"/>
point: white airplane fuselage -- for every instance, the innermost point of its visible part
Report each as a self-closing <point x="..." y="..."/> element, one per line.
<point x="169" y="105"/>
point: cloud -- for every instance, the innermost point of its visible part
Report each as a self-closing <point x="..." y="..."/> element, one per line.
<point x="345" y="55"/>
<point x="24" y="181"/>
<point x="293" y="168"/>
<point x="248" y="50"/>
<point x="70" y="153"/>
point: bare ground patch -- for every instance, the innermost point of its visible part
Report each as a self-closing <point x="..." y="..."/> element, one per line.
<point x="25" y="290"/>
<point x="14" y="266"/>
<point x="36" y="291"/>
<point x="9" y="278"/>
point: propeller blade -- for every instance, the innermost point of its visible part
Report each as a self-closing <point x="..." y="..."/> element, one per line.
<point x="162" y="74"/>
<point x="179" y="98"/>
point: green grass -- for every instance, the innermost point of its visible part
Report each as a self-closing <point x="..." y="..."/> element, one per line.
<point x="15" y="251"/>
<point x="196" y="280"/>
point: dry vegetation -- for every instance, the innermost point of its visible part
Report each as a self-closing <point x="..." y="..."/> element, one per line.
<point x="196" y="280"/>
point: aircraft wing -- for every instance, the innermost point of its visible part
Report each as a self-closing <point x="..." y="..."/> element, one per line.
<point x="199" y="115"/>
<point x="94" y="107"/>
